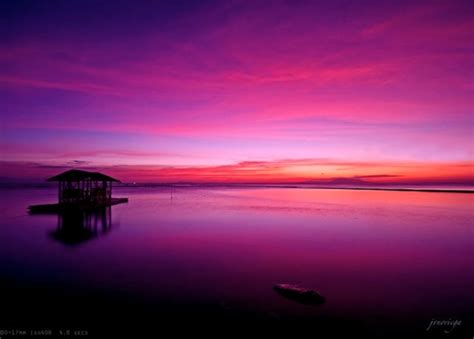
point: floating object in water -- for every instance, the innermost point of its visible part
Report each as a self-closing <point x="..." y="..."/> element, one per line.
<point x="299" y="294"/>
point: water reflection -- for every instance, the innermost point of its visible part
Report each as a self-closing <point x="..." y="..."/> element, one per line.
<point x="381" y="259"/>
<point x="76" y="227"/>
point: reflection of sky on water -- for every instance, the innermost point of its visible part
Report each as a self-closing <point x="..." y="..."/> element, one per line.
<point x="367" y="252"/>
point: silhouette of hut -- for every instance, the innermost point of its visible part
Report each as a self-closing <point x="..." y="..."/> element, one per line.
<point x="81" y="190"/>
<point x="81" y="186"/>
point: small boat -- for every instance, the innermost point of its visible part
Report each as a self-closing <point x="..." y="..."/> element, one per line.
<point x="299" y="294"/>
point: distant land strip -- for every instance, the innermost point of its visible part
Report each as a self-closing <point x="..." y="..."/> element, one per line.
<point x="249" y="185"/>
<point x="429" y="190"/>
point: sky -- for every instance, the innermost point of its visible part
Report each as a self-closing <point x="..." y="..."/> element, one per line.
<point x="238" y="91"/>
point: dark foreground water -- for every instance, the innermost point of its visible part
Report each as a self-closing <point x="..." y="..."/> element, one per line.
<point x="198" y="259"/>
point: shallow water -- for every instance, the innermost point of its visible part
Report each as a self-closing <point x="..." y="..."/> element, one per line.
<point x="396" y="257"/>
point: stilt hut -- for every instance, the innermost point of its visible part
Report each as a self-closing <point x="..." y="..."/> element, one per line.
<point x="81" y="186"/>
<point x="81" y="190"/>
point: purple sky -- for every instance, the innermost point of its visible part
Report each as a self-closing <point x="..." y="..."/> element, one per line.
<point x="238" y="90"/>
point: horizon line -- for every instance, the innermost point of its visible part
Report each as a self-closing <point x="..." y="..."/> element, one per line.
<point x="376" y="187"/>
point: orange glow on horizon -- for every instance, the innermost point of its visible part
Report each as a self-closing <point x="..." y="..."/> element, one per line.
<point x="316" y="171"/>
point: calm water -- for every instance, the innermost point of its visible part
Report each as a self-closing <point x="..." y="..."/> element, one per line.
<point x="381" y="259"/>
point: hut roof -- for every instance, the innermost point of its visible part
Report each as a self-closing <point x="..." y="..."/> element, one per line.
<point x="78" y="175"/>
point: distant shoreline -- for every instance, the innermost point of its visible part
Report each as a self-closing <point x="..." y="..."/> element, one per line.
<point x="428" y="190"/>
<point x="308" y="186"/>
<point x="249" y="185"/>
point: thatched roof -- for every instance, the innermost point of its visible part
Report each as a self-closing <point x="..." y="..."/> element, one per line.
<point x="78" y="175"/>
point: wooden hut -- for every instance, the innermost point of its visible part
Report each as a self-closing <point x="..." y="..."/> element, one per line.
<point x="81" y="190"/>
<point x="78" y="186"/>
